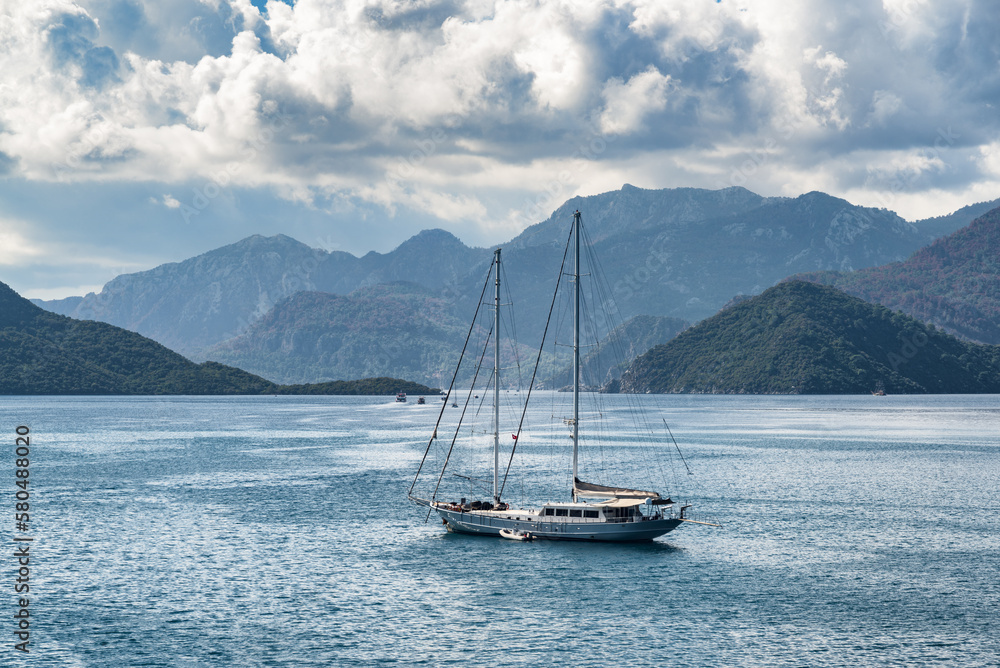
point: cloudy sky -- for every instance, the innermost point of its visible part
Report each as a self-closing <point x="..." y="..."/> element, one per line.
<point x="135" y="132"/>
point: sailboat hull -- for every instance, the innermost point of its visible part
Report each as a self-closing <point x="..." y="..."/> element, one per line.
<point x="488" y="523"/>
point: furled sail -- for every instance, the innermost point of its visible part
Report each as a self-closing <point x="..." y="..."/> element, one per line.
<point x="592" y="491"/>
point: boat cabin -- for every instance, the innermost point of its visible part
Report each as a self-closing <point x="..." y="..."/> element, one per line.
<point x="574" y="510"/>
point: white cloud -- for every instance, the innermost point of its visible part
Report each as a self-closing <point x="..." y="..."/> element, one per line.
<point x="828" y="62"/>
<point x="321" y="101"/>
<point x="628" y="103"/>
<point x="885" y="104"/>
<point x="17" y="250"/>
<point x="168" y="201"/>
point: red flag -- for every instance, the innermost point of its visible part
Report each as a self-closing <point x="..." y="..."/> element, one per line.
<point x="514" y="436"/>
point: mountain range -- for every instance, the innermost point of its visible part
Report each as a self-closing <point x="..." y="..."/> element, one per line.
<point x="685" y="252"/>
<point x="298" y="314"/>
<point x="193" y="305"/>
<point x="953" y="283"/>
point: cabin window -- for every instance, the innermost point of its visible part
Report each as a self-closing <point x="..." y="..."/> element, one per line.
<point x="549" y="511"/>
<point x="575" y="512"/>
<point x="591" y="513"/>
<point x="561" y="512"/>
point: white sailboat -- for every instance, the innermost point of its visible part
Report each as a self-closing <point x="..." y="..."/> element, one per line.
<point x="594" y="512"/>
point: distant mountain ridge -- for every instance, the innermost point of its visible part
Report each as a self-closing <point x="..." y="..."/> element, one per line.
<point x="942" y="226"/>
<point x="633" y="209"/>
<point x="432" y="258"/>
<point x="398" y="329"/>
<point x="681" y="253"/>
<point x="953" y="283"/>
<point x="805" y="338"/>
<point x="688" y="267"/>
<point x="189" y="305"/>
<point x="193" y="305"/>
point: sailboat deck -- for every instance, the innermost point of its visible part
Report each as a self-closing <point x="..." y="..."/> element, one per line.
<point x="561" y="512"/>
<point x="605" y="527"/>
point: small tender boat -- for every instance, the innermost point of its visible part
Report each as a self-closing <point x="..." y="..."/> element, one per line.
<point x="514" y="534"/>
<point x="420" y="400"/>
<point x="401" y="396"/>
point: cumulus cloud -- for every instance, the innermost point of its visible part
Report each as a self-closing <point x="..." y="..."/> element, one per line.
<point x="885" y="104"/>
<point x="628" y="103"/>
<point x="464" y="110"/>
<point x="168" y="201"/>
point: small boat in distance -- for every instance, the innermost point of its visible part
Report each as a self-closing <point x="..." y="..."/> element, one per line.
<point x="401" y="396"/>
<point x="420" y="400"/>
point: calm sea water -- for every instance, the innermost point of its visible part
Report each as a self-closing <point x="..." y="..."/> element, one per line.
<point x="275" y="531"/>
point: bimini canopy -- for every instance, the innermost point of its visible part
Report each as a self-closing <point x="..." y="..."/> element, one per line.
<point x="621" y="503"/>
<point x="591" y="491"/>
<point x="628" y="503"/>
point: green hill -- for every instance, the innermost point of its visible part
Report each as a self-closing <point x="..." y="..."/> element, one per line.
<point x="805" y="338"/>
<point x="43" y="353"/>
<point x="365" y="386"/>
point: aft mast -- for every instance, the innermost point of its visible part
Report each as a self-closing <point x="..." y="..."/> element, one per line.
<point x="496" y="383"/>
<point x="576" y="350"/>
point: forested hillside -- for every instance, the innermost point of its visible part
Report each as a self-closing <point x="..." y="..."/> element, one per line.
<point x="804" y="338"/>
